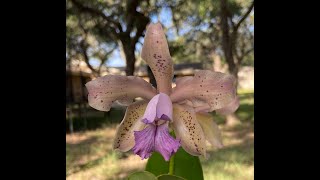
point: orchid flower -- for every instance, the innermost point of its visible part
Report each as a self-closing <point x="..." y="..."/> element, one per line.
<point x="145" y="126"/>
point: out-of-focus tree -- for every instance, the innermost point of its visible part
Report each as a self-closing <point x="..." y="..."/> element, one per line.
<point x="213" y="27"/>
<point x="221" y="28"/>
<point x="117" y="23"/>
<point x="84" y="43"/>
<point x="244" y="47"/>
<point x="204" y="29"/>
<point x="234" y="43"/>
<point x="231" y="42"/>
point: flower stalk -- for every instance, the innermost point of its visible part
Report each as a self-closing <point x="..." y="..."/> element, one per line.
<point x="171" y="165"/>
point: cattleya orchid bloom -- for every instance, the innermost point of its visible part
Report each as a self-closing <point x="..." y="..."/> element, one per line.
<point x="145" y="126"/>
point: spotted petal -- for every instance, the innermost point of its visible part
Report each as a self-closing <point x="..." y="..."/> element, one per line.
<point x="208" y="90"/>
<point x="155" y="52"/>
<point x="230" y="108"/>
<point x="188" y="130"/>
<point x="184" y="79"/>
<point x="103" y="91"/>
<point x="210" y="129"/>
<point x="131" y="122"/>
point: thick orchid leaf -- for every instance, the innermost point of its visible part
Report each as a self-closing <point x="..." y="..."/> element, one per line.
<point x="169" y="177"/>
<point x="184" y="165"/>
<point x="144" y="175"/>
<point x="157" y="165"/>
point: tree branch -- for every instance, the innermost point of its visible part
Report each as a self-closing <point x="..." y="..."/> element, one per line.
<point x="248" y="52"/>
<point x="236" y="27"/>
<point x="104" y="59"/>
<point x="93" y="11"/>
<point x="143" y="22"/>
<point x="86" y="58"/>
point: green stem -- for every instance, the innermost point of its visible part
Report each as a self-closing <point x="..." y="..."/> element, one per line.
<point x="171" y="165"/>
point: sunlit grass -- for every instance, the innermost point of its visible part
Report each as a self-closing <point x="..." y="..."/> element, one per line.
<point x="90" y="155"/>
<point x="245" y="91"/>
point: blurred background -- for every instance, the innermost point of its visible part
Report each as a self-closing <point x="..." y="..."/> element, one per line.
<point x="106" y="36"/>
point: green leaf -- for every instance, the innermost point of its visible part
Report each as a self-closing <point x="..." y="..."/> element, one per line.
<point x="169" y="177"/>
<point x="185" y="165"/>
<point x="157" y="165"/>
<point x="143" y="175"/>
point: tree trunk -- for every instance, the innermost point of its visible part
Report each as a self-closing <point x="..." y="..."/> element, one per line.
<point x="226" y="39"/>
<point x="235" y="74"/>
<point x="227" y="46"/>
<point x="130" y="57"/>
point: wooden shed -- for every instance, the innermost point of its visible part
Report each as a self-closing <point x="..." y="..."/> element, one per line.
<point x="75" y="86"/>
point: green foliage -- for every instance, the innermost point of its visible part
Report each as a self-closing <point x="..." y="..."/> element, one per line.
<point x="169" y="177"/>
<point x="96" y="28"/>
<point x="185" y="165"/>
<point x="196" y="25"/>
<point x="94" y="122"/>
<point x="88" y="153"/>
<point x="248" y="60"/>
<point x="144" y="175"/>
<point x="200" y="22"/>
<point x="157" y="165"/>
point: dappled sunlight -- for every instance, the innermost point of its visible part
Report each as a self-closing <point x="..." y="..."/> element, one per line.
<point x="96" y="160"/>
<point x="90" y="156"/>
<point x="235" y="160"/>
<point x="231" y="162"/>
<point x="122" y="61"/>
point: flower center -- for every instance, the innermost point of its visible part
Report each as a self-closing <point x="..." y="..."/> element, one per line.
<point x="156" y="137"/>
<point x="159" y="109"/>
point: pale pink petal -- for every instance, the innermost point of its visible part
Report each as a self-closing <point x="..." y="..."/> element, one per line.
<point x="206" y="88"/>
<point x="164" y="107"/>
<point x="155" y="52"/>
<point x="188" y="130"/>
<point x="186" y="102"/>
<point x="150" y="113"/>
<point x="230" y="108"/>
<point x="160" y="107"/>
<point x="183" y="79"/>
<point x="125" y="101"/>
<point x="131" y="122"/>
<point x="210" y="129"/>
<point x="204" y="108"/>
<point x="105" y="90"/>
